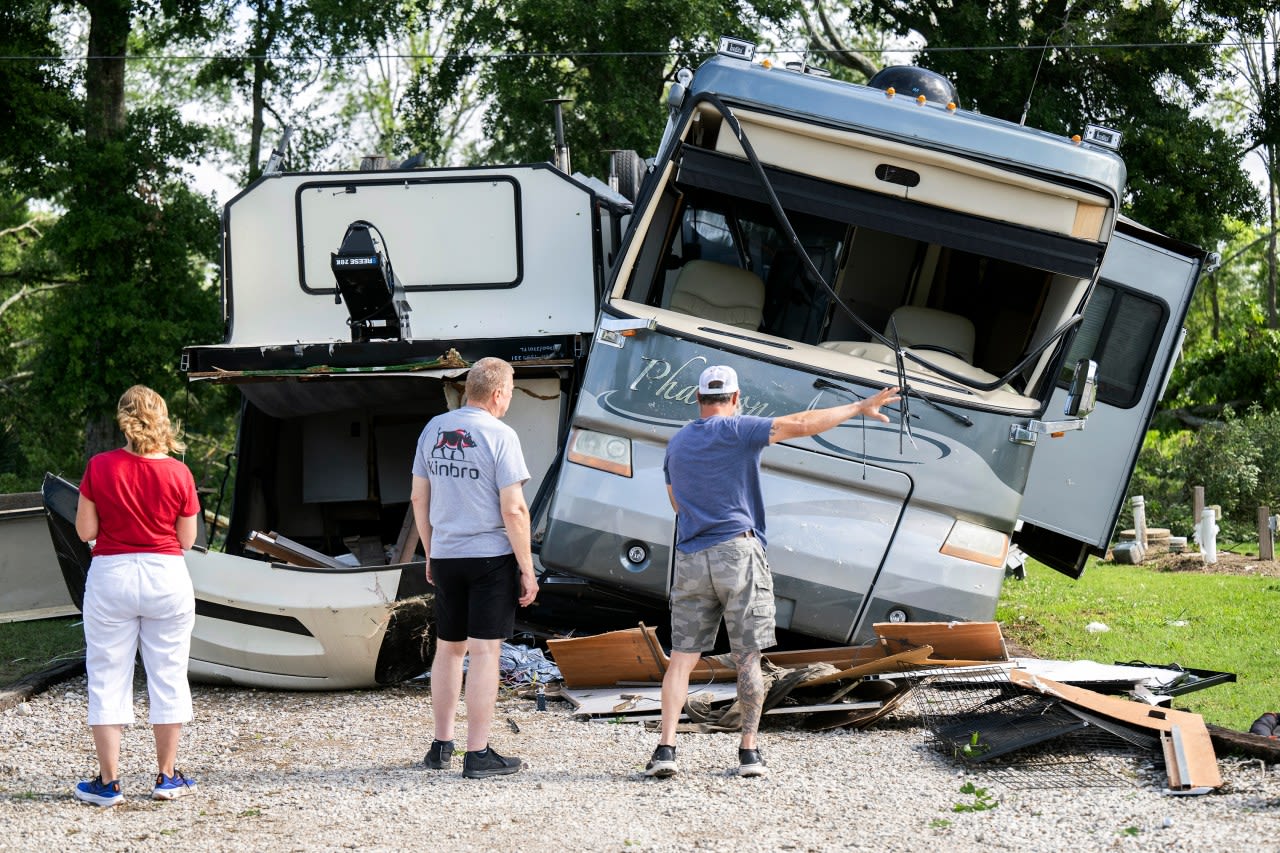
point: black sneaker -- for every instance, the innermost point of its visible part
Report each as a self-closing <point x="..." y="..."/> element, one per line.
<point x="663" y="763"/>
<point x="440" y="756"/>
<point x="487" y="762"/>
<point x="751" y="763"/>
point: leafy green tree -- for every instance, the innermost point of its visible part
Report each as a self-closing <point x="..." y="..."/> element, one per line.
<point x="1254" y="105"/>
<point x="612" y="60"/>
<point x="105" y="289"/>
<point x="1057" y="65"/>
<point x="282" y="58"/>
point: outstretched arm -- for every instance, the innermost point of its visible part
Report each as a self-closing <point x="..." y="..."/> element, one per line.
<point x="814" y="421"/>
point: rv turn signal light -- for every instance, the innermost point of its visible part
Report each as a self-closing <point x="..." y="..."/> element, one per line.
<point x="599" y="450"/>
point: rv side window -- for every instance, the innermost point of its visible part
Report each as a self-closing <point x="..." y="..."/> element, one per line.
<point x="1120" y="331"/>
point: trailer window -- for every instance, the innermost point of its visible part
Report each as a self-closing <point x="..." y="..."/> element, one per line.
<point x="1120" y="331"/>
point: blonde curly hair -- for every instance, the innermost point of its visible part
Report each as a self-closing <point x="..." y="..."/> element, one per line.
<point x="144" y="419"/>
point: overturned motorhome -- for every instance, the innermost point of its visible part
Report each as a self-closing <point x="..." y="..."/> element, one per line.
<point x="825" y="239"/>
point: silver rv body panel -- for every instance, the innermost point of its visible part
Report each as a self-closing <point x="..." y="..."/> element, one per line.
<point x="906" y="209"/>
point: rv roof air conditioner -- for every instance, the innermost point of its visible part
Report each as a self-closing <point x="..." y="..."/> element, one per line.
<point x="913" y="81"/>
<point x="376" y="304"/>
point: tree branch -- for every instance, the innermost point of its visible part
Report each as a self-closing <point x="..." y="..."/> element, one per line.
<point x="829" y="41"/>
<point x="28" y="290"/>
<point x="29" y="225"/>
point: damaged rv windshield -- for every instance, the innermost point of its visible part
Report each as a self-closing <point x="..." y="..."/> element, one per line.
<point x="977" y="307"/>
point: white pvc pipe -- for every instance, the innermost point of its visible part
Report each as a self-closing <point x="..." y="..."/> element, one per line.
<point x="1207" y="536"/>
<point x="1140" y="520"/>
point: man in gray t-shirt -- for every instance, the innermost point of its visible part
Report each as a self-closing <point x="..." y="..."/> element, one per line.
<point x="468" y="502"/>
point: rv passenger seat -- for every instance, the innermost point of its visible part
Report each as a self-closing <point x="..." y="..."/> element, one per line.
<point x="719" y="292"/>
<point x="918" y="326"/>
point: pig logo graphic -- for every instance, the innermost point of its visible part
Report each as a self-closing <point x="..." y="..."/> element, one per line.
<point x="452" y="444"/>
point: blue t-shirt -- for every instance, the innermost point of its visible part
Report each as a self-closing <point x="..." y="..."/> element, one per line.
<point x="468" y="456"/>
<point x="713" y="468"/>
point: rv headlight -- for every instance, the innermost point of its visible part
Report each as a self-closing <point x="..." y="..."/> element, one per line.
<point x="601" y="451"/>
<point x="968" y="541"/>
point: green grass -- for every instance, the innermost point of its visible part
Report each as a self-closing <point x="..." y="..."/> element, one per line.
<point x="1227" y="623"/>
<point x="27" y="647"/>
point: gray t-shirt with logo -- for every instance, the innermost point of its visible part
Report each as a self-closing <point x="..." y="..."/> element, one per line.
<point x="468" y="456"/>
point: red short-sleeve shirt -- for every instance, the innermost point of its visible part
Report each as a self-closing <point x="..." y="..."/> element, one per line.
<point x="139" y="501"/>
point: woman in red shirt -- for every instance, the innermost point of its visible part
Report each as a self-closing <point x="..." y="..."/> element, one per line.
<point x="138" y="507"/>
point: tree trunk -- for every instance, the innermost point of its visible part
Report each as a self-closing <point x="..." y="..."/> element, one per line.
<point x="256" y="124"/>
<point x="105" y="116"/>
<point x="101" y="433"/>
<point x="109" y="22"/>
<point x="1272" y="321"/>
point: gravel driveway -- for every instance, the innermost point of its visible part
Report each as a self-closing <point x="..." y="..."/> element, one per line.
<point x="334" y="771"/>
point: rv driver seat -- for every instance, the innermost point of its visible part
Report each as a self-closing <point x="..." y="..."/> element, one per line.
<point x="929" y="328"/>
<point x="719" y="292"/>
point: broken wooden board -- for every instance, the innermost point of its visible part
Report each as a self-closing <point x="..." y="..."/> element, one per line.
<point x="610" y="705"/>
<point x="967" y="641"/>
<point x="905" y="661"/>
<point x="287" y="551"/>
<point x="601" y="660"/>
<point x="860" y="719"/>
<point x="625" y="701"/>
<point x="1190" y="762"/>
<point x="634" y="656"/>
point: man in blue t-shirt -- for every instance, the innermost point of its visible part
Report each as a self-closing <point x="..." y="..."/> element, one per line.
<point x="468" y="502"/>
<point x="712" y="469"/>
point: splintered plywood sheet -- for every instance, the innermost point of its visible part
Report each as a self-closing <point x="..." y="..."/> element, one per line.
<point x="634" y="656"/>
<point x="907" y="661"/>
<point x="1194" y="766"/>
<point x="968" y="641"/>
<point x="601" y="660"/>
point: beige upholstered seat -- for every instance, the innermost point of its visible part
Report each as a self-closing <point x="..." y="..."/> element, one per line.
<point x="719" y="292"/>
<point x="918" y="326"/>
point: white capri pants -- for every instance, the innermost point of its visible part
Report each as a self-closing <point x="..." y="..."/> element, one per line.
<point x="132" y="602"/>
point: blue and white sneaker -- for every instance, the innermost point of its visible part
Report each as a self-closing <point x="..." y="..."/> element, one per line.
<point x="172" y="787"/>
<point x="98" y="793"/>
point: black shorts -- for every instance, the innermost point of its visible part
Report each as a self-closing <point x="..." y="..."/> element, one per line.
<point x="476" y="597"/>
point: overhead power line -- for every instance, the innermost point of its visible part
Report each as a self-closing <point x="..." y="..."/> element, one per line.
<point x="589" y="54"/>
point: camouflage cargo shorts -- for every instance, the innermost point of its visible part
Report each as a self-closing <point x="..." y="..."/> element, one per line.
<point x="731" y="579"/>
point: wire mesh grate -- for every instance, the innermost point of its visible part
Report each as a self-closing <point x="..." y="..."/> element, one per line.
<point x="1021" y="738"/>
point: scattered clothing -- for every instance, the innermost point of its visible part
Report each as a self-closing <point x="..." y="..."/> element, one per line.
<point x="524" y="665"/>
<point x="1268" y="725"/>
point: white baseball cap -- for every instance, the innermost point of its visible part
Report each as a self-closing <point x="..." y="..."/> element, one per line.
<point x="717" y="379"/>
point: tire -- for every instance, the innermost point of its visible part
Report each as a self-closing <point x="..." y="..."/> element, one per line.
<point x="630" y="170"/>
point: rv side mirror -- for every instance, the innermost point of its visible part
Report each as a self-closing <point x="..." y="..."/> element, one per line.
<point x="1083" y="394"/>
